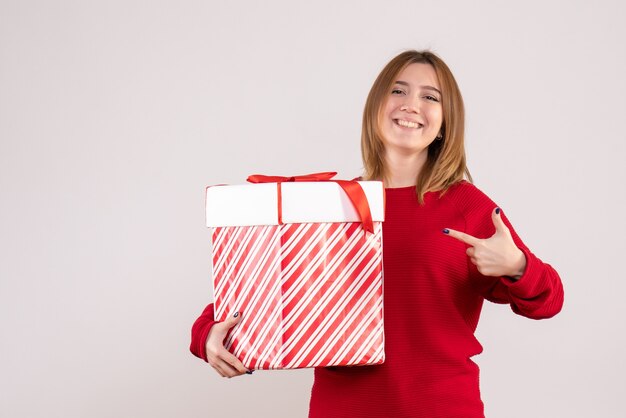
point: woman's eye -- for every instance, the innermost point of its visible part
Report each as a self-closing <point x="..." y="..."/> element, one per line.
<point x="397" y="91"/>
<point x="432" y="98"/>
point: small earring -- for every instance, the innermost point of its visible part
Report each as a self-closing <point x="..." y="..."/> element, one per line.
<point x="439" y="137"/>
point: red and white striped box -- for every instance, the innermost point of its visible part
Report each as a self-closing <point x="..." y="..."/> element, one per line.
<point x="309" y="288"/>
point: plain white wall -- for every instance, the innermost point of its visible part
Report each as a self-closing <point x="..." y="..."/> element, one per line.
<point x="114" y="115"/>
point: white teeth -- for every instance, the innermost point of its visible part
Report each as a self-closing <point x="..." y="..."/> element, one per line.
<point x="408" y="124"/>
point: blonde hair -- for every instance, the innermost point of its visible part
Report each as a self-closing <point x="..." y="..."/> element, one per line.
<point x="446" y="162"/>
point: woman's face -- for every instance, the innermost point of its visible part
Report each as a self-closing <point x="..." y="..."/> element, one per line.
<point x="412" y="115"/>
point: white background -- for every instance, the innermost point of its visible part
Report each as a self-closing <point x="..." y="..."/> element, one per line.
<point x="114" y="115"/>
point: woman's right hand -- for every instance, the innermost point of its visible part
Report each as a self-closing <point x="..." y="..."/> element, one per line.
<point x="225" y="363"/>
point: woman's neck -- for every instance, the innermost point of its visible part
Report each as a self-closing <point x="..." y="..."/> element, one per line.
<point x="402" y="170"/>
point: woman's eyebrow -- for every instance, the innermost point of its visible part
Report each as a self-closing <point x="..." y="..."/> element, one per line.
<point x="404" y="83"/>
<point x="432" y="88"/>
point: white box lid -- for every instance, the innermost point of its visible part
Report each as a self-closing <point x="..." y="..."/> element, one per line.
<point x="302" y="202"/>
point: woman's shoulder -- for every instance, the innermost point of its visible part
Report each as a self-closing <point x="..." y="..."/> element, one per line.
<point x="468" y="197"/>
<point x="466" y="189"/>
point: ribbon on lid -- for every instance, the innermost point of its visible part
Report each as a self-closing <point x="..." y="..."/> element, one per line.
<point x="353" y="190"/>
<point x="260" y="178"/>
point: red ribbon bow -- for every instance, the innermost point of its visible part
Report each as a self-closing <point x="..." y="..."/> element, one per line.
<point x="353" y="190"/>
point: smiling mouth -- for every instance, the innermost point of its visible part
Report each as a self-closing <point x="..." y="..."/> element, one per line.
<point x="408" y="124"/>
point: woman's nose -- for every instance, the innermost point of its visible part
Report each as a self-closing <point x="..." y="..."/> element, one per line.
<point x="410" y="107"/>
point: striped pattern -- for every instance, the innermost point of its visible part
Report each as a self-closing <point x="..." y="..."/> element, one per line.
<point x="311" y="294"/>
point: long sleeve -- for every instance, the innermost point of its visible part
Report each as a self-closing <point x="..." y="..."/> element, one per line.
<point x="538" y="294"/>
<point x="200" y="331"/>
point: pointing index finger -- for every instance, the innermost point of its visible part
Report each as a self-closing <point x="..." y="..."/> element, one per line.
<point x="462" y="236"/>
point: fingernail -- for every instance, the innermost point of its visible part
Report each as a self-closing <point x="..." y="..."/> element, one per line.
<point x="446" y="231"/>
<point x="249" y="371"/>
<point x="236" y="315"/>
<point x="497" y="211"/>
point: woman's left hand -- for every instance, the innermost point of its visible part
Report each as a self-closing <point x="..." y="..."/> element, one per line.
<point x="495" y="256"/>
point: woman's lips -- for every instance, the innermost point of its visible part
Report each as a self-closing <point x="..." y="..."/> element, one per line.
<point x="408" y="123"/>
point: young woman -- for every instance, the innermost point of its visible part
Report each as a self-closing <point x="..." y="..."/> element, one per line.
<point x="447" y="248"/>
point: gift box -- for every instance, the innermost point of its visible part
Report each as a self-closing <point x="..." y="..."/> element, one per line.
<point x="301" y="258"/>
